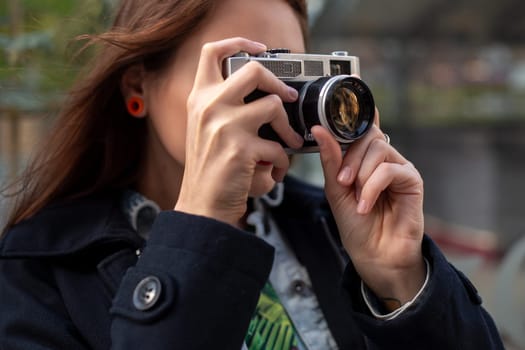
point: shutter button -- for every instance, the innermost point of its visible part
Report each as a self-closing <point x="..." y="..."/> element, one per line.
<point x="147" y="293"/>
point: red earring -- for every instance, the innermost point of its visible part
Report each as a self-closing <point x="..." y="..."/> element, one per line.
<point x="135" y="106"/>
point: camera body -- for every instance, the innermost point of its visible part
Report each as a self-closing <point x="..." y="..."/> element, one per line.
<point x="329" y="94"/>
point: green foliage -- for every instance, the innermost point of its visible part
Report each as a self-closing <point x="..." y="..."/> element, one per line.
<point x="37" y="46"/>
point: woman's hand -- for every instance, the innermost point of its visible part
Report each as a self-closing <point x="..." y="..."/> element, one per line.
<point x="376" y="196"/>
<point x="225" y="158"/>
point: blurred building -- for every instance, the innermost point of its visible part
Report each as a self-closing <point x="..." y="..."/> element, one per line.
<point x="449" y="81"/>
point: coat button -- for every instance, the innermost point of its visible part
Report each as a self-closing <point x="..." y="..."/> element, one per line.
<point x="146" y="293"/>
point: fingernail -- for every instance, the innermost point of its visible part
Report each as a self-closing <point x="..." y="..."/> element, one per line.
<point x="345" y="175"/>
<point x="299" y="138"/>
<point x="292" y="93"/>
<point x="362" y="207"/>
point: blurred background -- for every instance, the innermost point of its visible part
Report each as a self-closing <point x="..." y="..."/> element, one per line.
<point x="449" y="81"/>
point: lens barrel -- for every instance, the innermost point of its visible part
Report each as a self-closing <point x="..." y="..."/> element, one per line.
<point x="343" y="104"/>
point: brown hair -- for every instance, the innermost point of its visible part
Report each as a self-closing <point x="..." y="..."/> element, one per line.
<point x="94" y="145"/>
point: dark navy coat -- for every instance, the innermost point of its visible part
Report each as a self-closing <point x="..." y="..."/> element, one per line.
<point x="72" y="277"/>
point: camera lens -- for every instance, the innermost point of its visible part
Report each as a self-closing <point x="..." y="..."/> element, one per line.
<point x="343" y="104"/>
<point x="344" y="109"/>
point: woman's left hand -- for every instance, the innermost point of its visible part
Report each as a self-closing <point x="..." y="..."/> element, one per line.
<point x="376" y="196"/>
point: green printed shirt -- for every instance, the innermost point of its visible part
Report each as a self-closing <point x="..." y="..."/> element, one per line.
<point x="270" y="327"/>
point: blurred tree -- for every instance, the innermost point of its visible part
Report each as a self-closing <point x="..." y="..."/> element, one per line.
<point x="37" y="46"/>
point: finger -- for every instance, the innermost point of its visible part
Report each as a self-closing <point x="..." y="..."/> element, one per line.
<point x="378" y="152"/>
<point x="355" y="155"/>
<point x="270" y="153"/>
<point x="397" y="178"/>
<point x="213" y="54"/>
<point x="254" y="76"/>
<point x="270" y="110"/>
<point x="278" y="174"/>
<point x="331" y="156"/>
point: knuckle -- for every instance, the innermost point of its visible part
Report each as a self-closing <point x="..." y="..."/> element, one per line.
<point x="217" y="132"/>
<point x="206" y="112"/>
<point x="209" y="48"/>
<point x="233" y="155"/>
<point x="276" y="147"/>
<point x="411" y="167"/>
<point x="256" y="67"/>
<point x="378" y="143"/>
<point x="192" y="101"/>
<point x="254" y="70"/>
<point x="415" y="171"/>
<point x="275" y="113"/>
<point x="375" y="131"/>
<point x="202" y="111"/>
<point x="386" y="167"/>
<point x="274" y="103"/>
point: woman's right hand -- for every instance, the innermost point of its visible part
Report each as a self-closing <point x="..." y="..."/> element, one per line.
<point x="226" y="160"/>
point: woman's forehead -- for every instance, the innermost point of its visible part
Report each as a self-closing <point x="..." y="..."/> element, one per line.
<point x="272" y="22"/>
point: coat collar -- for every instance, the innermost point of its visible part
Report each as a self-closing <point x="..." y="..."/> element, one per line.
<point x="70" y="227"/>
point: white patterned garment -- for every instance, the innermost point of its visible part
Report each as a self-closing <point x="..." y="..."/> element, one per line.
<point x="290" y="279"/>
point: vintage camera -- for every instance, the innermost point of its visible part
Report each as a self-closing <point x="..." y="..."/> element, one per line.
<point x="328" y="94"/>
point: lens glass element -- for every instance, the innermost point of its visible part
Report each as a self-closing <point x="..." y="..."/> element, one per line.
<point x="344" y="109"/>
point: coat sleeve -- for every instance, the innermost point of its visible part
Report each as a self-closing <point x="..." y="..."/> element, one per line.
<point x="195" y="286"/>
<point x="447" y="315"/>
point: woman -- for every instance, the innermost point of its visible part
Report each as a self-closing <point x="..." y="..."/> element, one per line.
<point x="155" y="125"/>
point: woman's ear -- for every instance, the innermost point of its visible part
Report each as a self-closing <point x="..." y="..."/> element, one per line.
<point x="131" y="86"/>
